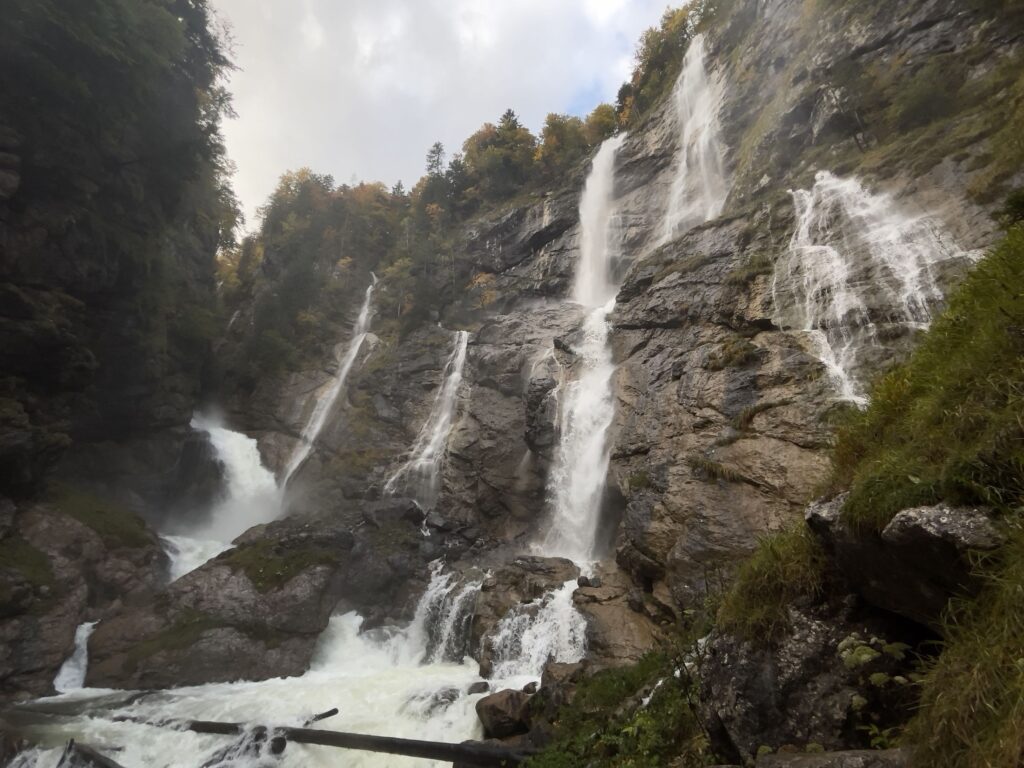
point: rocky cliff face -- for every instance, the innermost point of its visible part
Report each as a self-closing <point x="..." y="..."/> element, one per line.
<point x="723" y="412"/>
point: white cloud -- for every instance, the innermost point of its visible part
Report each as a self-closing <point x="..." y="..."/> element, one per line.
<point x="363" y="87"/>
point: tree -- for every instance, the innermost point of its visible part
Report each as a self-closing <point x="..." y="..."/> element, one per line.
<point x="500" y="158"/>
<point x="563" y="144"/>
<point x="435" y="159"/>
<point x="601" y="124"/>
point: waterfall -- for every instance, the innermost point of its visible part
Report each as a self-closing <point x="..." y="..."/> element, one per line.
<point x="325" y="403"/>
<point x="440" y="629"/>
<point x="856" y="259"/>
<point x="71" y="676"/>
<point x="699" y="186"/>
<point x="577" y="480"/>
<point x="252" y="499"/>
<point x="546" y="629"/>
<point x="421" y="473"/>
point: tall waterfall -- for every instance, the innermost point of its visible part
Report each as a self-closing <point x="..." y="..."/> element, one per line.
<point x="577" y="480"/>
<point x="252" y="498"/>
<point x="856" y="260"/>
<point x="325" y="403"/>
<point x="421" y="473"/>
<point x="699" y="186"/>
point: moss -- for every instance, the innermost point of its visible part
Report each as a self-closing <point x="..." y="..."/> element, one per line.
<point x="680" y="266"/>
<point x="29" y="565"/>
<point x="946" y="424"/>
<point x="972" y="700"/>
<point x="786" y="567"/>
<point x="269" y="566"/>
<point x="115" y="524"/>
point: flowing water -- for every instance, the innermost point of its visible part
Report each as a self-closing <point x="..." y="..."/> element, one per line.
<point x="325" y="403"/>
<point x="699" y="185"/>
<point x="252" y="498"/>
<point x="856" y="260"/>
<point x="71" y="675"/>
<point x="421" y="474"/>
<point x="378" y="685"/>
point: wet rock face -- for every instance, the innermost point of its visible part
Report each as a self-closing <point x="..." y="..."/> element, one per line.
<point x="257" y="611"/>
<point x="918" y="562"/>
<point x="55" y="573"/>
<point x="832" y="674"/>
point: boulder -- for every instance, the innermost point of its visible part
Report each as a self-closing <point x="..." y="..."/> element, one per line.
<point x="866" y="758"/>
<point x="505" y="713"/>
<point x="834" y="672"/>
<point x="918" y="562"/>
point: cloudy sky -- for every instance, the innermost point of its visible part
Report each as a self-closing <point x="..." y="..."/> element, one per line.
<point x="361" y="88"/>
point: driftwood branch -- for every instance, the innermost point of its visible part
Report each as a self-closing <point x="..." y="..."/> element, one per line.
<point x="467" y="753"/>
<point x="77" y="755"/>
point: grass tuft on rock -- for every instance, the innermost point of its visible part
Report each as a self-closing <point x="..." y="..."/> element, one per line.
<point x="972" y="703"/>
<point x="947" y="425"/>
<point x="786" y="567"/>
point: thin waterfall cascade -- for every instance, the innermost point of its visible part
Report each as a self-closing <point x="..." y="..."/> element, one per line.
<point x="576" y="483"/>
<point x="440" y="628"/>
<point x="71" y="675"/>
<point x="857" y="260"/>
<point x="252" y="498"/>
<point x="421" y="473"/>
<point x="325" y="403"/>
<point x="699" y="184"/>
<point x="535" y="633"/>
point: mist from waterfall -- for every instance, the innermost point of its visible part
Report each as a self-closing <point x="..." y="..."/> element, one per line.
<point x="325" y="403"/>
<point x="699" y="184"/>
<point x="420" y="475"/>
<point x="856" y="259"/>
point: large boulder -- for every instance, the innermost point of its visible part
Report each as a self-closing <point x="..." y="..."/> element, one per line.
<point x="505" y="713"/>
<point x="833" y="674"/>
<point x="918" y="562"/>
<point x="63" y="563"/>
<point x="863" y="758"/>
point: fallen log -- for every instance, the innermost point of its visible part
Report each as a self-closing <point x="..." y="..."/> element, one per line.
<point x="467" y="753"/>
<point x="77" y="755"/>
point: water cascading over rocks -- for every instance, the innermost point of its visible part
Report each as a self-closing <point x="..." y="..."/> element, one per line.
<point x="699" y="184"/>
<point x="252" y="498"/>
<point x="857" y="262"/>
<point x="325" y="403"/>
<point x="420" y="475"/>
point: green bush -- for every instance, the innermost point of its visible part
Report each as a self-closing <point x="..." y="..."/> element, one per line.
<point x="947" y="424"/>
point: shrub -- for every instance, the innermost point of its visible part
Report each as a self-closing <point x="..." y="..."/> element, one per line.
<point x="786" y="567"/>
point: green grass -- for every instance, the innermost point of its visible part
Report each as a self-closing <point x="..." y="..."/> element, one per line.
<point x="949" y="423"/>
<point x="972" y="703"/>
<point x="116" y="525"/>
<point x="269" y="567"/>
<point x="735" y="352"/>
<point x="716" y="470"/>
<point x="30" y="564"/>
<point x="605" y="724"/>
<point x="786" y="567"/>
<point x="756" y="265"/>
